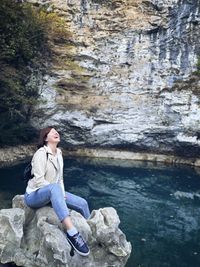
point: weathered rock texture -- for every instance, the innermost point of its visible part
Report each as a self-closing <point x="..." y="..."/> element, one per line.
<point x="36" y="239"/>
<point x="125" y="78"/>
<point x="14" y="155"/>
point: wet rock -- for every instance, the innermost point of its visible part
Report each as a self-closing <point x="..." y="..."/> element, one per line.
<point x="187" y="195"/>
<point x="32" y="238"/>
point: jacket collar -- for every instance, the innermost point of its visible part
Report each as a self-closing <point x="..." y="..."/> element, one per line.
<point x="49" y="151"/>
<point x="53" y="159"/>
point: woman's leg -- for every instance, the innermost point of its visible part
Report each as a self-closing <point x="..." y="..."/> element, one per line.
<point x="53" y="193"/>
<point x="78" y="204"/>
<point x="49" y="193"/>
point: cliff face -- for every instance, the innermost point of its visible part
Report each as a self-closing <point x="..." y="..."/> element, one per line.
<point x="125" y="78"/>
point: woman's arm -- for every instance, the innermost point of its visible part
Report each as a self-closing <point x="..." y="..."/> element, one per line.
<point x="39" y="164"/>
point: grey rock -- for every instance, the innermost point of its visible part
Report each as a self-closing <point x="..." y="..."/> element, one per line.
<point x="187" y="195"/>
<point x="131" y="82"/>
<point x="35" y="238"/>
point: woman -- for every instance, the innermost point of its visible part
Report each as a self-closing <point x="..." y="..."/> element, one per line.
<point x="47" y="186"/>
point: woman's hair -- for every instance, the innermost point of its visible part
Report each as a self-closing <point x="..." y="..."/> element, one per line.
<point x="43" y="135"/>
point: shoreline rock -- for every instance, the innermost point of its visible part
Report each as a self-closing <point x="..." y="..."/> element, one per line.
<point x="133" y="156"/>
<point x="15" y="155"/>
<point x="10" y="156"/>
<point x="35" y="238"/>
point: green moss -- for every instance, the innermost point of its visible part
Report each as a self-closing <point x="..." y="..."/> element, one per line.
<point x="198" y="63"/>
<point x="78" y="80"/>
<point x="74" y="66"/>
<point x="197" y="72"/>
<point x="54" y="25"/>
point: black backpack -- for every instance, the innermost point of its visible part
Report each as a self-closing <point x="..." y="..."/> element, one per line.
<point x="27" y="172"/>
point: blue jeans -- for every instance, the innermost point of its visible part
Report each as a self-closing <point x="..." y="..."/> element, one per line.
<point x="53" y="194"/>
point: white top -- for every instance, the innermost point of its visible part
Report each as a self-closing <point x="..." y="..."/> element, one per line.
<point x="51" y="173"/>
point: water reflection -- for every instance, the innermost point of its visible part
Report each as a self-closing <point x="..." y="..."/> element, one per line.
<point x="158" y="206"/>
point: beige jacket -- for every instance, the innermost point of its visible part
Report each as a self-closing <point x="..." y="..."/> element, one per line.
<point x="46" y="171"/>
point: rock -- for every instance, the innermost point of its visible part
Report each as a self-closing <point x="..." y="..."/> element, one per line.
<point x="14" y="155"/>
<point x="187" y="195"/>
<point x="128" y="82"/>
<point x="104" y="224"/>
<point x="35" y="238"/>
<point x="11" y="233"/>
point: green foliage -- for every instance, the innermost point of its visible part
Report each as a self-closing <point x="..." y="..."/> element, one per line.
<point x="22" y="33"/>
<point x="27" y="33"/>
<point x="55" y="26"/>
<point x="23" y="44"/>
<point x="197" y="72"/>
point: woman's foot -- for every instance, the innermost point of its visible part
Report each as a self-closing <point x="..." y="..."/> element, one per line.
<point x="77" y="242"/>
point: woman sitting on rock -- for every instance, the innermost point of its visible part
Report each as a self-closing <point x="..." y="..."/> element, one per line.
<point x="47" y="186"/>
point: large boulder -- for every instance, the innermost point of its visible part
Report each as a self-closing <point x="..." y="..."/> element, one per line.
<point x="35" y="238"/>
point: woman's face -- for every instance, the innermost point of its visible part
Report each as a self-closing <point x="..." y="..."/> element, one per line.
<point x="53" y="136"/>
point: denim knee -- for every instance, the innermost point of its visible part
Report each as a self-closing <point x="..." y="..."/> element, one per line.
<point x="58" y="201"/>
<point x="84" y="208"/>
<point x="84" y="203"/>
<point x="55" y="188"/>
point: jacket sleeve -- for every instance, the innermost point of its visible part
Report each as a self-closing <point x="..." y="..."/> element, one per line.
<point x="60" y="181"/>
<point x="39" y="164"/>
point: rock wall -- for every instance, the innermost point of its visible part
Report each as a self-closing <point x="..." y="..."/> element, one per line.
<point x="125" y="78"/>
<point x="36" y="239"/>
<point x="14" y="155"/>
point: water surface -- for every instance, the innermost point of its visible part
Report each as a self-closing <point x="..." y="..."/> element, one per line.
<point x="159" y="206"/>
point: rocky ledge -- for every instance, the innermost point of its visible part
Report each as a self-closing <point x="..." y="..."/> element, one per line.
<point x="35" y="238"/>
<point x="16" y="154"/>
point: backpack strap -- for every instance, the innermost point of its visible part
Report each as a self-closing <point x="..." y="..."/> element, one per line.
<point x="47" y="155"/>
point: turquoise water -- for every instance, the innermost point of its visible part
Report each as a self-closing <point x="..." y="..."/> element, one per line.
<point x="159" y="206"/>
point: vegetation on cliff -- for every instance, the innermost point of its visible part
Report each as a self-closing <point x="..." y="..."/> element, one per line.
<point x="25" y="47"/>
<point x="197" y="72"/>
<point x="22" y="42"/>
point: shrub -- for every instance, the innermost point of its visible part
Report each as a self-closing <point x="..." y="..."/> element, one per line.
<point x="24" y="47"/>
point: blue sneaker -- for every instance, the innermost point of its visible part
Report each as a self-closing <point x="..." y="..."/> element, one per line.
<point x="78" y="244"/>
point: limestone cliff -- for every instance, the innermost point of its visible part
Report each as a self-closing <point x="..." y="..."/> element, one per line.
<point x="125" y="77"/>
